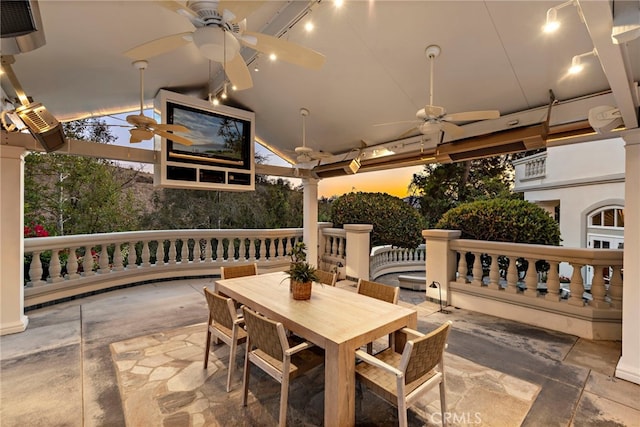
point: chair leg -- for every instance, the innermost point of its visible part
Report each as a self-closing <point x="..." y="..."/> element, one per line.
<point x="284" y="397"/>
<point x="402" y="412"/>
<point x="206" y="348"/>
<point x="232" y="363"/>
<point x="443" y="403"/>
<point x="245" y="376"/>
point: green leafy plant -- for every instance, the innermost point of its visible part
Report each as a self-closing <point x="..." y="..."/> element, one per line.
<point x="298" y="252"/>
<point x="302" y="272"/>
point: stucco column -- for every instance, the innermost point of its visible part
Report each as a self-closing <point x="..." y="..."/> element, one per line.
<point x="357" y="250"/>
<point x="629" y="364"/>
<point x="310" y="218"/>
<point x="12" y="318"/>
<point x="441" y="262"/>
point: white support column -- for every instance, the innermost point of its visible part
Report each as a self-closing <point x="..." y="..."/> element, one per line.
<point x="12" y="318"/>
<point x="357" y="250"/>
<point x="629" y="364"/>
<point x="310" y="218"/>
<point x="441" y="264"/>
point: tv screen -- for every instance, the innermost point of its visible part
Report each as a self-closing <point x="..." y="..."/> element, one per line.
<point x="218" y="140"/>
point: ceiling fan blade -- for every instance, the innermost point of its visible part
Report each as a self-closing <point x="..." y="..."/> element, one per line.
<point x="159" y="46"/>
<point x="138" y="135"/>
<point x="241" y="9"/>
<point x="408" y="132"/>
<point x="454" y="131"/>
<point x="238" y="73"/>
<point x="171" y="128"/>
<point x="472" y="116"/>
<point x="287" y="51"/>
<point x="173" y="137"/>
<point x="396" y="123"/>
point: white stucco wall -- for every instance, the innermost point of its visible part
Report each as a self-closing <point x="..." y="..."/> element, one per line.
<point x="581" y="177"/>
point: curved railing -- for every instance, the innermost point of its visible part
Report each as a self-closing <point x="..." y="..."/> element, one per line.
<point x="58" y="267"/>
<point x="390" y="259"/>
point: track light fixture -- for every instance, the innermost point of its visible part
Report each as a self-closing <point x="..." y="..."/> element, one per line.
<point x="576" y="61"/>
<point x="552" y="23"/>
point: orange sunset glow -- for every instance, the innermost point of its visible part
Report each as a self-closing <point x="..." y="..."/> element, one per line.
<point x="395" y="182"/>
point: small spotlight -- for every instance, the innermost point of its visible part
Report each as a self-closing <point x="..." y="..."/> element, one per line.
<point x="273" y="57"/>
<point x="338" y="3"/>
<point x="256" y="69"/>
<point x="552" y="23"/>
<point x="308" y="26"/>
<point x="215" y="101"/>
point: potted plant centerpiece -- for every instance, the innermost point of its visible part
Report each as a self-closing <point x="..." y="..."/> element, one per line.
<point x="300" y="272"/>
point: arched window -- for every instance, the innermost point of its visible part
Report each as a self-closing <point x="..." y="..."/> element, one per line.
<point x="607" y="217"/>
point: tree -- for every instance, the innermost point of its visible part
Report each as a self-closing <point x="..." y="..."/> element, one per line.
<point x="78" y="195"/>
<point x="443" y="186"/>
<point x="394" y="221"/>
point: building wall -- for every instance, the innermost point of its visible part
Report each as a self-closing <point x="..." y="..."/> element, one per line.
<point x="579" y="178"/>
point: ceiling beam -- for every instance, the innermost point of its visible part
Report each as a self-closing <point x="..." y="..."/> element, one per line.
<point x="598" y="18"/>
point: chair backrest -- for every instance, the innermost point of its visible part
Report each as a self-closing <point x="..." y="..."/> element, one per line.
<point x="326" y="277"/>
<point x="221" y="309"/>
<point x="265" y="334"/>
<point x="422" y="354"/>
<point x="378" y="291"/>
<point x="232" y="272"/>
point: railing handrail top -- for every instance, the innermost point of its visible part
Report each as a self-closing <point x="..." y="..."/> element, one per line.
<point x="546" y="252"/>
<point x="44" y="243"/>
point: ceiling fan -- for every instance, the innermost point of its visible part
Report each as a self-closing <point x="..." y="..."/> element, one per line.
<point x="145" y="127"/>
<point x="306" y="154"/>
<point x="220" y="30"/>
<point x="433" y="118"/>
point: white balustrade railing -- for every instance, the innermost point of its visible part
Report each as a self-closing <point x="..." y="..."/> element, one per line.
<point x="389" y="259"/>
<point x="59" y="267"/>
<point x="332" y="250"/>
<point x="534" y="166"/>
<point x="500" y="266"/>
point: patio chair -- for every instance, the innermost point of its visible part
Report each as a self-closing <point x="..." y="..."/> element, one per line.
<point x="402" y="378"/>
<point x="234" y="271"/>
<point x="225" y="325"/>
<point x="269" y="348"/>
<point x="326" y="277"/>
<point x="382" y="292"/>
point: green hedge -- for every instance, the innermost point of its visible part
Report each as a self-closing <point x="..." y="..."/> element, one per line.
<point x="502" y="220"/>
<point x="394" y="221"/>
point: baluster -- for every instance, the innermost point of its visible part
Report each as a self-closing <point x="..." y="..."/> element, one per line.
<point x="72" y="264"/>
<point x="35" y="270"/>
<point x="477" y="269"/>
<point x="264" y="256"/>
<point x="184" y="253"/>
<point x="334" y="246"/>
<point x="531" y="279"/>
<point x="553" y="282"/>
<point x="341" y="242"/>
<point x="103" y="260"/>
<point x="598" y="290"/>
<point x="252" y="250"/>
<point x="220" y="250"/>
<point x="462" y="268"/>
<point x="576" y="286"/>
<point x="132" y="257"/>
<point x="208" y="249"/>
<point x="87" y="262"/>
<point x="54" y="267"/>
<point x="615" y="287"/>
<point x="494" y="273"/>
<point x="146" y="254"/>
<point x="512" y="276"/>
<point x="117" y="258"/>
<point x="173" y="252"/>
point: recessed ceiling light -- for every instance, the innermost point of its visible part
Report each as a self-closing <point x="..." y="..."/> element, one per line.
<point x="273" y="57"/>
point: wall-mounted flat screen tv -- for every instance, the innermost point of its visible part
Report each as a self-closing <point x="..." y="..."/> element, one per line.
<point x="218" y="139"/>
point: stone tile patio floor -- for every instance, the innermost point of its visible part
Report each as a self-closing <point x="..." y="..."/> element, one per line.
<point x="133" y="357"/>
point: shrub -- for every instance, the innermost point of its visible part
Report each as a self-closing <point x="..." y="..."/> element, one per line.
<point x="502" y="220"/>
<point x="394" y="221"/>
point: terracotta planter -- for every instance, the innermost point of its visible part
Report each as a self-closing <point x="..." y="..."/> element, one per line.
<point x="300" y="290"/>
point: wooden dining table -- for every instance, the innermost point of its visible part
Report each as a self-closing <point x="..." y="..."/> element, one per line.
<point x="337" y="320"/>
